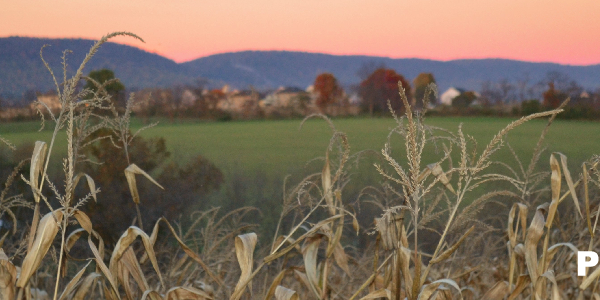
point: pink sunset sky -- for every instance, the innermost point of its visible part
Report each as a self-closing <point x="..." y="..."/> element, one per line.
<point x="566" y="32"/>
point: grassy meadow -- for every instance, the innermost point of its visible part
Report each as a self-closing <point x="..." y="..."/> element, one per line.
<point x="280" y="147"/>
<point x="256" y="156"/>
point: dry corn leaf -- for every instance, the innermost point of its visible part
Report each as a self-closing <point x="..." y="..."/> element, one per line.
<point x="554" y="249"/>
<point x="86" y="286"/>
<point x="8" y="277"/>
<point x="293" y="244"/>
<point x="391" y="231"/>
<point x="335" y="240"/>
<point x="451" y="250"/>
<point x="522" y="283"/>
<point x="125" y="241"/>
<point x="123" y="277"/>
<point x="513" y="236"/>
<point x="84" y="220"/>
<point x="73" y="282"/>
<point x="108" y="293"/>
<point x="586" y="197"/>
<point x="341" y="259"/>
<point x="90" y="182"/>
<point x="102" y="266"/>
<point x="153" y="237"/>
<point x="555" y="291"/>
<point x="276" y="283"/>
<point x="387" y="278"/>
<point x="186" y="293"/>
<point x="424" y="174"/>
<point x="207" y="288"/>
<point x="152" y="295"/>
<point x="327" y="185"/>
<point x="534" y="233"/>
<point x="428" y="289"/>
<point x="382" y="293"/>
<point x="569" y="180"/>
<point x="3" y="238"/>
<point x="555" y="182"/>
<point x="404" y="256"/>
<point x="436" y="170"/>
<point x="283" y="293"/>
<point x="244" y="250"/>
<point x="130" y="173"/>
<point x="47" y="230"/>
<point x="590" y="279"/>
<point x="520" y="250"/>
<point x="498" y="291"/>
<point x="522" y="220"/>
<point x="355" y="225"/>
<point x="130" y="262"/>
<point x="37" y="167"/>
<point x="36" y="294"/>
<point x="301" y="276"/>
<point x="73" y="238"/>
<point x="189" y="251"/>
<point x="309" y="254"/>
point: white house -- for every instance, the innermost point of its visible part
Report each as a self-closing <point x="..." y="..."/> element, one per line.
<point x="449" y="94"/>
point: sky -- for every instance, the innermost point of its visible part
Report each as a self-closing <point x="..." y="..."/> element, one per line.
<point x="565" y="32"/>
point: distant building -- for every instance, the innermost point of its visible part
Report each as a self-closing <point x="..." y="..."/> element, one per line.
<point x="50" y="100"/>
<point x="238" y="101"/>
<point x="188" y="98"/>
<point x="283" y="97"/>
<point x="449" y="94"/>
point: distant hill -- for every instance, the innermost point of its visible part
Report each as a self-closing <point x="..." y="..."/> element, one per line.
<point x="275" y="68"/>
<point x="21" y="68"/>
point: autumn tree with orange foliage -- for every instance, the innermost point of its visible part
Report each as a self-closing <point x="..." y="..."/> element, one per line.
<point x="327" y="90"/>
<point x="381" y="86"/>
<point x="553" y="97"/>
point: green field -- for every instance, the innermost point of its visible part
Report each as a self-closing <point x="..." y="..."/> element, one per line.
<point x="281" y="147"/>
<point x="256" y="156"/>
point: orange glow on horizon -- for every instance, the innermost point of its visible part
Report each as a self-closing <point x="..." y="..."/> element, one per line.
<point x="542" y="31"/>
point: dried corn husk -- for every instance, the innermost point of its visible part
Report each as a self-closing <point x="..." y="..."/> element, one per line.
<point x="282" y="293"/>
<point x="130" y="173"/>
<point x="244" y="250"/>
<point x="47" y="230"/>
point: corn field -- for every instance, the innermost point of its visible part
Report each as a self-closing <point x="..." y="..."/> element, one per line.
<point x="432" y="240"/>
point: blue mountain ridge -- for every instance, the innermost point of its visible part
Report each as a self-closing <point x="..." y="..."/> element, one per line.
<point x="21" y="68"/>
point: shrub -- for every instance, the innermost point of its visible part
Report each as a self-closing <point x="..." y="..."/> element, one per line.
<point x="530" y="107"/>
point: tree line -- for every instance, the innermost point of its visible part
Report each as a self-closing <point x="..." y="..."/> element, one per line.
<point x="378" y="85"/>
